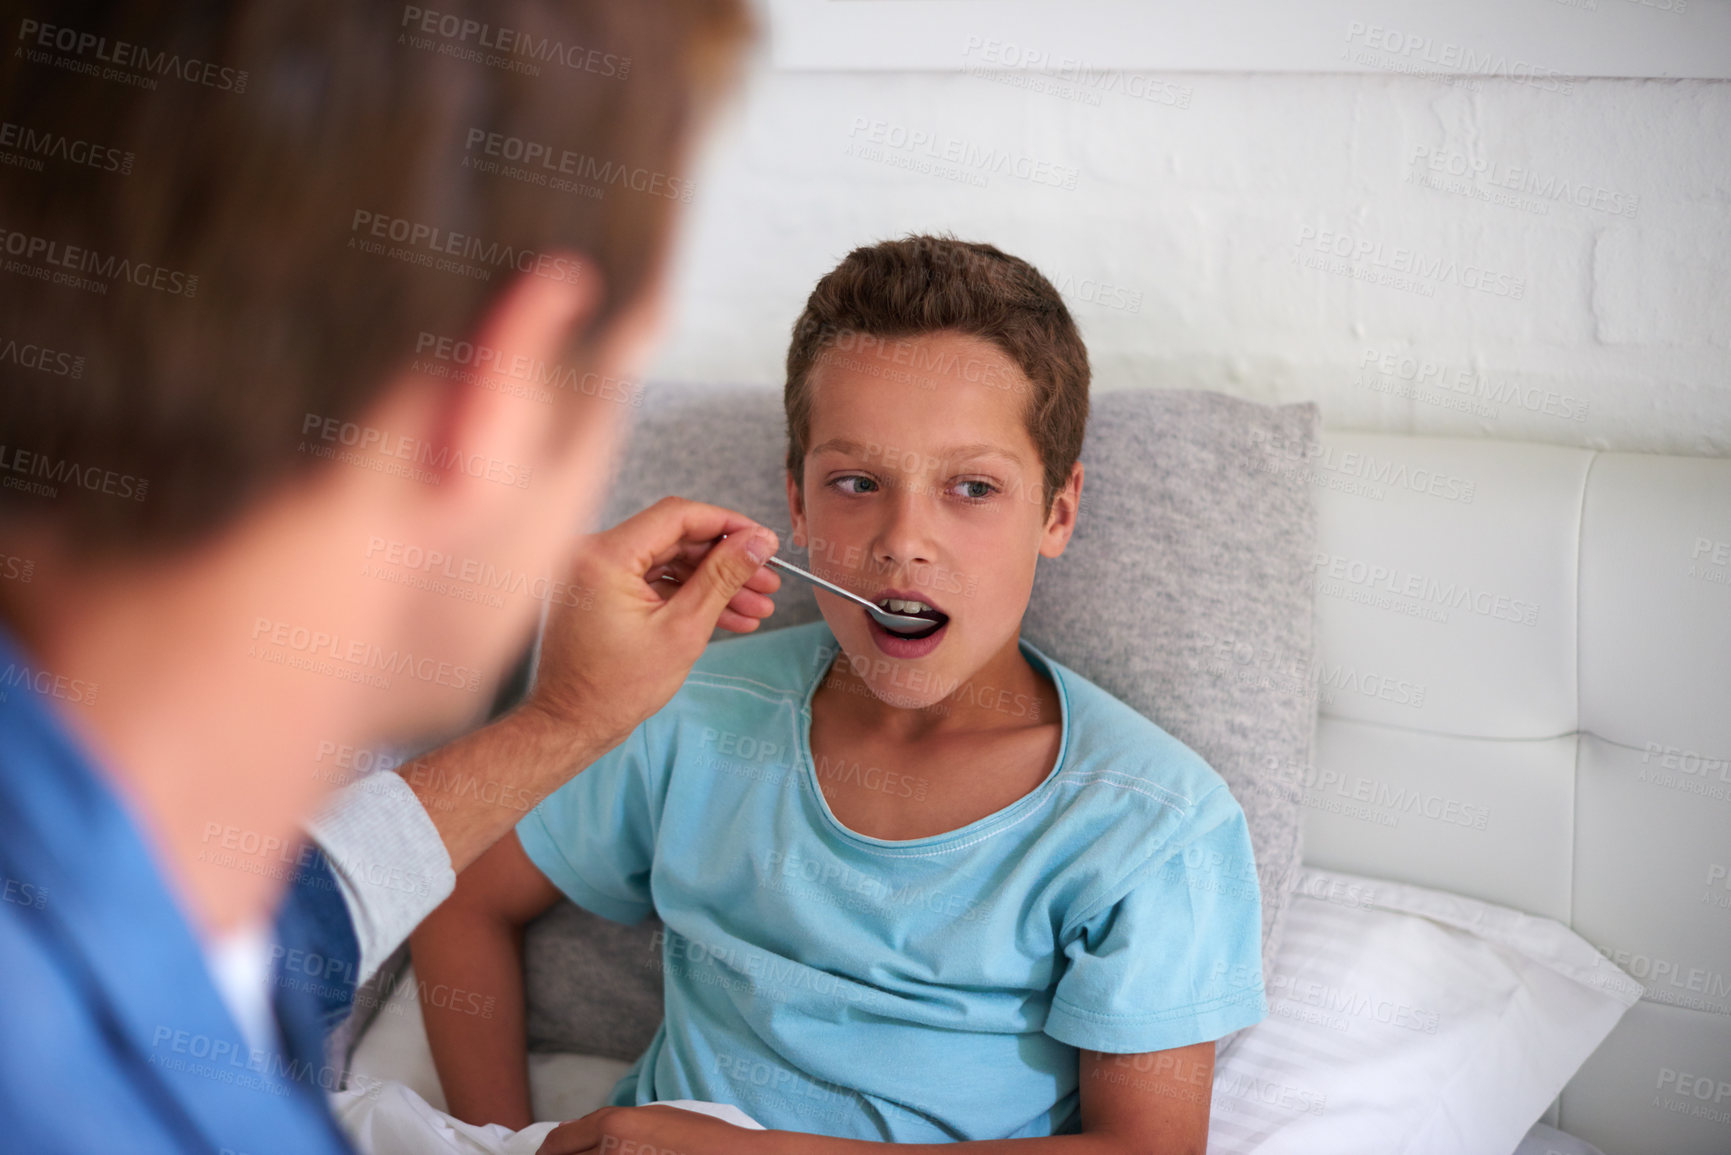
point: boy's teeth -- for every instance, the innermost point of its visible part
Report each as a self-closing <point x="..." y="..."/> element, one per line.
<point x="902" y="606"/>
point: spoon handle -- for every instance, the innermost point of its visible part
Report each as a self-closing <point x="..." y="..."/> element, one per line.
<point x="817" y="581"/>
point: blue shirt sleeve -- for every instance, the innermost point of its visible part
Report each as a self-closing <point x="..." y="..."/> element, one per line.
<point x="1173" y="955"/>
<point x="313" y="920"/>
<point x="594" y="837"/>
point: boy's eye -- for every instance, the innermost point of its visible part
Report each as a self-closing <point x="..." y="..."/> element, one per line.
<point x="855" y="483"/>
<point x="976" y="490"/>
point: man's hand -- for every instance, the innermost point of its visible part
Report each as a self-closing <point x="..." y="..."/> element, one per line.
<point x="614" y="661"/>
<point x="617" y="1130"/>
<point x="606" y="664"/>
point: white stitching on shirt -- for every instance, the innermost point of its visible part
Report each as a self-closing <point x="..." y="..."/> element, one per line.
<point x="1151" y="789"/>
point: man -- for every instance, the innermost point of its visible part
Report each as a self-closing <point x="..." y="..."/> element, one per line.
<point x="319" y="326"/>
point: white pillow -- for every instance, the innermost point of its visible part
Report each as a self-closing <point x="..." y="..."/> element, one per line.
<point x="1407" y="1021"/>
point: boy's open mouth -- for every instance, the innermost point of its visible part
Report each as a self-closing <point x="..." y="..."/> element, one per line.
<point x="914" y="608"/>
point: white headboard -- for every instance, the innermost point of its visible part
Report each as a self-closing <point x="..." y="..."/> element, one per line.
<point x="1525" y="667"/>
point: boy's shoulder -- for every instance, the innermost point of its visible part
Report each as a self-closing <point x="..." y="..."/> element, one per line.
<point x="1111" y="742"/>
<point x="781" y="662"/>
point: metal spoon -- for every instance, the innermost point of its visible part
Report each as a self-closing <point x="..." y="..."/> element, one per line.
<point x="884" y="618"/>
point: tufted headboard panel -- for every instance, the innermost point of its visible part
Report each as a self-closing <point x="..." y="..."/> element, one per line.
<point x="1524" y="681"/>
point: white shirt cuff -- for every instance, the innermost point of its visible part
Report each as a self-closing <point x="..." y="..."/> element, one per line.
<point x="389" y="861"/>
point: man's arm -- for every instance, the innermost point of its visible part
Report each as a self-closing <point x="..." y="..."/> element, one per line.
<point x="606" y="664"/>
<point x="395" y="841"/>
<point x="475" y="789"/>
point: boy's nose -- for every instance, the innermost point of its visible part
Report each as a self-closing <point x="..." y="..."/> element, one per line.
<point x="905" y="537"/>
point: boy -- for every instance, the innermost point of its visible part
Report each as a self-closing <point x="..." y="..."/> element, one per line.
<point x="919" y="887"/>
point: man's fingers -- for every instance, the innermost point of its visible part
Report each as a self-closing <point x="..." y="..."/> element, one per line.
<point x="685" y="557"/>
<point x="735" y="623"/>
<point x="674" y="527"/>
<point x="764" y="581"/>
<point x="751" y="605"/>
<point x="723" y="575"/>
<point x="748" y="602"/>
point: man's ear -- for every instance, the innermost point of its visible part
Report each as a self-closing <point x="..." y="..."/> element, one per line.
<point x="484" y="414"/>
<point x="796" y="510"/>
<point x="1061" y="522"/>
<point x="455" y="430"/>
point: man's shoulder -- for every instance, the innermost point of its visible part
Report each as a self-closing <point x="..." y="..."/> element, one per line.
<point x="46" y="1013"/>
<point x="779" y="663"/>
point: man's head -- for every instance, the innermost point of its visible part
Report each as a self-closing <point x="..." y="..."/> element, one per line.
<point x="387" y="273"/>
<point x="936" y="397"/>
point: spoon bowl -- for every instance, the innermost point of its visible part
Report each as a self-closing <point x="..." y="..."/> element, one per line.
<point x="902" y="623"/>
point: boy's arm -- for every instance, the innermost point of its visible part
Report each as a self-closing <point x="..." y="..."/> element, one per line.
<point x="1154" y="1103"/>
<point x="468" y="958"/>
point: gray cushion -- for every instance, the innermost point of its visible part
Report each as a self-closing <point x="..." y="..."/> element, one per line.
<point x="593" y="987"/>
<point x="1185" y="592"/>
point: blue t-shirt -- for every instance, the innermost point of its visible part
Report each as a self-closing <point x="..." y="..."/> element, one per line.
<point x="922" y="990"/>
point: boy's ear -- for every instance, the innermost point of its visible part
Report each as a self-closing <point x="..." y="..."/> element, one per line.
<point x="1061" y="522"/>
<point x="796" y="510"/>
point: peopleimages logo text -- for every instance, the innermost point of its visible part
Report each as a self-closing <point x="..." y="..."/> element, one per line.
<point x="1410" y="262"/>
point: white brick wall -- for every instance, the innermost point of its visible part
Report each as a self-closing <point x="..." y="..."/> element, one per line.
<point x="1195" y="244"/>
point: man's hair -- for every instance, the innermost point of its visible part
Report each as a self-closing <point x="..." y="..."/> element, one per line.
<point x="925" y="284"/>
<point x="227" y="220"/>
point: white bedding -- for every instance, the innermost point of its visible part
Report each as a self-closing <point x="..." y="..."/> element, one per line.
<point x="389" y="1118"/>
<point x="1410" y="1021"/>
<point x="394" y="1120"/>
<point x="1404" y="1021"/>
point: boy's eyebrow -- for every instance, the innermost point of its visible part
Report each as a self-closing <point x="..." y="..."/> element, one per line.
<point x="948" y="453"/>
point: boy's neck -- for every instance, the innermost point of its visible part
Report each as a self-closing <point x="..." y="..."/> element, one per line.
<point x="1007" y="692"/>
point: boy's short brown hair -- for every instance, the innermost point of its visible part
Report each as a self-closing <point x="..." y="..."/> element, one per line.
<point x="928" y="284"/>
<point x="275" y="205"/>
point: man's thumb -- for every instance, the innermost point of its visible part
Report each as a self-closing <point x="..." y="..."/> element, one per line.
<point x="724" y="570"/>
